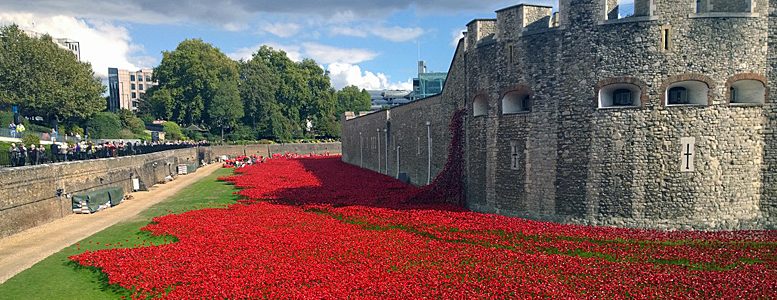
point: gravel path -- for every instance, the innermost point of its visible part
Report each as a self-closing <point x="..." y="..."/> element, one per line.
<point x="20" y="251"/>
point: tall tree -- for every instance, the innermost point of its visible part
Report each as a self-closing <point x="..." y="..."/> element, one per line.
<point x="350" y="98"/>
<point x="192" y="74"/>
<point x="258" y="87"/>
<point x="227" y="107"/>
<point x="45" y="80"/>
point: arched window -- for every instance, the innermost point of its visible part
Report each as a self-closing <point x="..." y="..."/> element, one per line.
<point x="620" y="95"/>
<point x="480" y="106"/>
<point x="747" y="92"/>
<point x="689" y="92"/>
<point x="516" y="102"/>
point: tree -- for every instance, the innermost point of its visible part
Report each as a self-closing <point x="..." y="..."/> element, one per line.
<point x="104" y="125"/>
<point x="45" y="80"/>
<point x="158" y="103"/>
<point x="227" y="107"/>
<point x="350" y="98"/>
<point x="191" y="74"/>
<point x="131" y="122"/>
<point x="258" y="86"/>
<point x="172" y="131"/>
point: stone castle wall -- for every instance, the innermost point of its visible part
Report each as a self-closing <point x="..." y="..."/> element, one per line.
<point x="567" y="159"/>
<point x="28" y="194"/>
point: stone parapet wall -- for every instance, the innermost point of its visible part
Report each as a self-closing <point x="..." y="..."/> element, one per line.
<point x="28" y="195"/>
<point x="268" y="150"/>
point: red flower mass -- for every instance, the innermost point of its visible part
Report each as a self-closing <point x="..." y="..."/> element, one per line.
<point x="318" y="228"/>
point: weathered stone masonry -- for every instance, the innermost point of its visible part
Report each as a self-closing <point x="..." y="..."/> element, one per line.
<point x="578" y="116"/>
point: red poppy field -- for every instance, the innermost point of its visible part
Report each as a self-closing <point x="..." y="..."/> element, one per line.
<point x="319" y="228"/>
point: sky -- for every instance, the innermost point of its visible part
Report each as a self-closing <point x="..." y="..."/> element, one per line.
<point x="373" y="44"/>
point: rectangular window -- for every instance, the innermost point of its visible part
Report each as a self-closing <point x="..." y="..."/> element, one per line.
<point x="132" y="86"/>
<point x="134" y="95"/>
<point x="132" y="77"/>
<point x="514" y="155"/>
<point x="148" y="78"/>
<point x="140" y="87"/>
<point x="667" y="37"/>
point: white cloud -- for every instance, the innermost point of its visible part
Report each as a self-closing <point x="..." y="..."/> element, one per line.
<point x="398" y="34"/>
<point x="342" y="75"/>
<point x="283" y="30"/>
<point x="394" y="34"/>
<point x="103" y="44"/>
<point x="348" y="31"/>
<point x="328" y="54"/>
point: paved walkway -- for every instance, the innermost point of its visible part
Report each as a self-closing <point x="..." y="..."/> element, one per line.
<point x="20" y="251"/>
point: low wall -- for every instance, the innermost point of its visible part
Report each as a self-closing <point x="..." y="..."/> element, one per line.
<point x="28" y="194"/>
<point x="269" y="150"/>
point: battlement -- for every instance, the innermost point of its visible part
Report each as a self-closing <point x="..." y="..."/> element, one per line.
<point x="480" y="31"/>
<point x="513" y="21"/>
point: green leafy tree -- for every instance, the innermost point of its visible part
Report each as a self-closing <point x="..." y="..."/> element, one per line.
<point x="45" y="80"/>
<point x="131" y="122"/>
<point x="104" y="125"/>
<point x="350" y="98"/>
<point x="258" y="87"/>
<point x="172" y="131"/>
<point x="226" y="109"/>
<point x="191" y="74"/>
<point x="157" y="104"/>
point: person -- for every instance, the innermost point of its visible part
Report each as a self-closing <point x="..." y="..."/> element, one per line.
<point x="22" y="155"/>
<point x="42" y="154"/>
<point x="13" y="154"/>
<point x="54" y="152"/>
<point x="53" y="135"/>
<point x="12" y="129"/>
<point x="20" y="129"/>
<point x="32" y="153"/>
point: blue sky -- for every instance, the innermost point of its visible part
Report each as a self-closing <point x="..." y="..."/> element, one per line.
<point x="370" y="43"/>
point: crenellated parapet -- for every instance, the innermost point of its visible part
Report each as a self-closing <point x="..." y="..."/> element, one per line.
<point x="480" y="31"/>
<point x="513" y="21"/>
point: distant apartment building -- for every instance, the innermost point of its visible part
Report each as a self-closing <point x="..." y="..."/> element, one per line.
<point x="427" y="84"/>
<point x="126" y="88"/>
<point x="64" y="43"/>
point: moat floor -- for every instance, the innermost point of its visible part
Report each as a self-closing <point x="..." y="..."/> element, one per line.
<point x="21" y="251"/>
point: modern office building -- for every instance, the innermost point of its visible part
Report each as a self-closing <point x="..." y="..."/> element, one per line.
<point x="427" y="84"/>
<point x="389" y="98"/>
<point x="126" y="88"/>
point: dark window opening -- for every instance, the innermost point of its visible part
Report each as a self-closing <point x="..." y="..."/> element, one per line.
<point x="526" y="103"/>
<point x="622" y="97"/>
<point x="678" y="96"/>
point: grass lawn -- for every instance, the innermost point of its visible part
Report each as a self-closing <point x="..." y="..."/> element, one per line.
<point x="58" y="278"/>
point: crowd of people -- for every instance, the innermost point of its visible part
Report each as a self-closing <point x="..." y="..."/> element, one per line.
<point x="21" y="155"/>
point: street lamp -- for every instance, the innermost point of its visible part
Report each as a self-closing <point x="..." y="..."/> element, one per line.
<point x="428" y="152"/>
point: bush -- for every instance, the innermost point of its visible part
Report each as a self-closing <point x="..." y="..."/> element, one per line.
<point x="173" y="131"/>
<point x="130" y="121"/>
<point x="194" y="135"/>
<point x="6" y="117"/>
<point x="104" y="125"/>
<point x="75" y="129"/>
<point x="126" y="134"/>
<point x="31" y="139"/>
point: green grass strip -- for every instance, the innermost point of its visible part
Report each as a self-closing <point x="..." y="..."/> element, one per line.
<point x="56" y="277"/>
